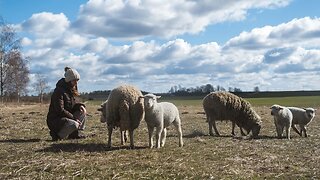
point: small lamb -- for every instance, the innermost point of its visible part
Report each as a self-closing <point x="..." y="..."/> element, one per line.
<point x="282" y="119"/>
<point x="302" y="117"/>
<point x="160" y="116"/>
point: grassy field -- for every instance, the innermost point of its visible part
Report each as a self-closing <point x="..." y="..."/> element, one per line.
<point x="28" y="153"/>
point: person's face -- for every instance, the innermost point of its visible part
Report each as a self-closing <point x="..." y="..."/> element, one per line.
<point x="74" y="83"/>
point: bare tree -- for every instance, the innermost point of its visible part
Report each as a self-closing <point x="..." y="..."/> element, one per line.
<point x="9" y="43"/>
<point x="17" y="75"/>
<point x="41" y="86"/>
<point x="256" y="89"/>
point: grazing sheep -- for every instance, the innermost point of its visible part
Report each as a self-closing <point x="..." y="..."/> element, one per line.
<point x="227" y="106"/>
<point x="160" y="116"/>
<point x="302" y="117"/>
<point x="124" y="109"/>
<point x="282" y="119"/>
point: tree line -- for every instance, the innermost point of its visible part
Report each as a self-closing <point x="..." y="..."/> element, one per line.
<point x="179" y="90"/>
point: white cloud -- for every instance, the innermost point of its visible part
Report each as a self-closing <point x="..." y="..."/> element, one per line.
<point x="165" y="18"/>
<point x="46" y="24"/>
<point x="298" y="32"/>
<point x="26" y="41"/>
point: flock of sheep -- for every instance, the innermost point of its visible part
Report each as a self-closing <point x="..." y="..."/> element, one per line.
<point x="126" y="107"/>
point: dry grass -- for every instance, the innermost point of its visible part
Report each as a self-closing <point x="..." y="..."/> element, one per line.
<point x="27" y="152"/>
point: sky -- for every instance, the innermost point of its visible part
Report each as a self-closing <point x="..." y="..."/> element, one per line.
<point x="157" y="44"/>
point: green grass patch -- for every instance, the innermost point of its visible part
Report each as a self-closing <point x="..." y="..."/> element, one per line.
<point x="299" y="101"/>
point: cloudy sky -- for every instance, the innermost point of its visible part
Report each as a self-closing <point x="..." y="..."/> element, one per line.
<point x="157" y="44"/>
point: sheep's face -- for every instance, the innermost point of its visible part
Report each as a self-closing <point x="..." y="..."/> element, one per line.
<point x="275" y="109"/>
<point x="103" y="110"/>
<point x="256" y="130"/>
<point x="150" y="100"/>
<point x="310" y="113"/>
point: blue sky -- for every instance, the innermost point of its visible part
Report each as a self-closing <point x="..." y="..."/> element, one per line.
<point x="154" y="45"/>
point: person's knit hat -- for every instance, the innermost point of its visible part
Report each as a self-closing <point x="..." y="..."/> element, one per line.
<point x="71" y="74"/>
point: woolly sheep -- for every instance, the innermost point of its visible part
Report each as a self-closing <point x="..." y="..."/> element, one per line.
<point x="124" y="109"/>
<point x="282" y="119"/>
<point x="227" y="106"/>
<point x="160" y="116"/>
<point x="302" y="117"/>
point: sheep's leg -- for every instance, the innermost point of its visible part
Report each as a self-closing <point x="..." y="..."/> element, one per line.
<point x="110" y="128"/>
<point x="158" y="135"/>
<point x="281" y="131"/>
<point x="215" y="128"/>
<point x="303" y="130"/>
<point x="150" y="132"/>
<point x="210" y="128"/>
<point x="177" y="125"/>
<point x="212" y="124"/>
<point x="242" y="133"/>
<point x="278" y="129"/>
<point x="295" y="129"/>
<point x="123" y="137"/>
<point x="131" y="138"/>
<point x="288" y="131"/>
<point x="233" y="127"/>
<point x="163" y="137"/>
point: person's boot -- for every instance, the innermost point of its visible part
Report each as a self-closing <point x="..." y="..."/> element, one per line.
<point x="76" y="135"/>
<point x="54" y="136"/>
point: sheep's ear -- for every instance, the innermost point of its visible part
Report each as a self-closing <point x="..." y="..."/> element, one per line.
<point x="158" y="97"/>
<point x="141" y="97"/>
<point x="99" y="109"/>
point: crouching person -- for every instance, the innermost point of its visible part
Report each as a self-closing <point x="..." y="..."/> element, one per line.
<point x="66" y="117"/>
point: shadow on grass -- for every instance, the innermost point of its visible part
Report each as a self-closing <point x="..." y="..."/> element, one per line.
<point x="197" y="133"/>
<point x="194" y="134"/>
<point x="20" y="140"/>
<point x="259" y="137"/>
<point x="90" y="147"/>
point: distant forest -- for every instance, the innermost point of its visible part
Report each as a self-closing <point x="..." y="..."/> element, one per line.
<point x="206" y="89"/>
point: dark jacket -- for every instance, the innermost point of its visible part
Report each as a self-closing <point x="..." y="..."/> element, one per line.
<point x="62" y="106"/>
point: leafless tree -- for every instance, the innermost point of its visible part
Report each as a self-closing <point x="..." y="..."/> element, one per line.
<point x="17" y="75"/>
<point x="41" y="86"/>
<point x="9" y="43"/>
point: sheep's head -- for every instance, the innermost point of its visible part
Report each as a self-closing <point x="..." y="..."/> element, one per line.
<point x="310" y="112"/>
<point x="150" y="100"/>
<point x="275" y="109"/>
<point x="103" y="109"/>
<point x="256" y="130"/>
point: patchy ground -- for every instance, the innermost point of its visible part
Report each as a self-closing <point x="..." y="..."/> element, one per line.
<point x="28" y="153"/>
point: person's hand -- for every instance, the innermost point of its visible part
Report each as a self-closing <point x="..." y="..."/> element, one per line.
<point x="78" y="121"/>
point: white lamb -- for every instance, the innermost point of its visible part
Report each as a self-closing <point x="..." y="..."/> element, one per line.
<point x="160" y="116"/>
<point x="282" y="119"/>
<point x="302" y="117"/>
